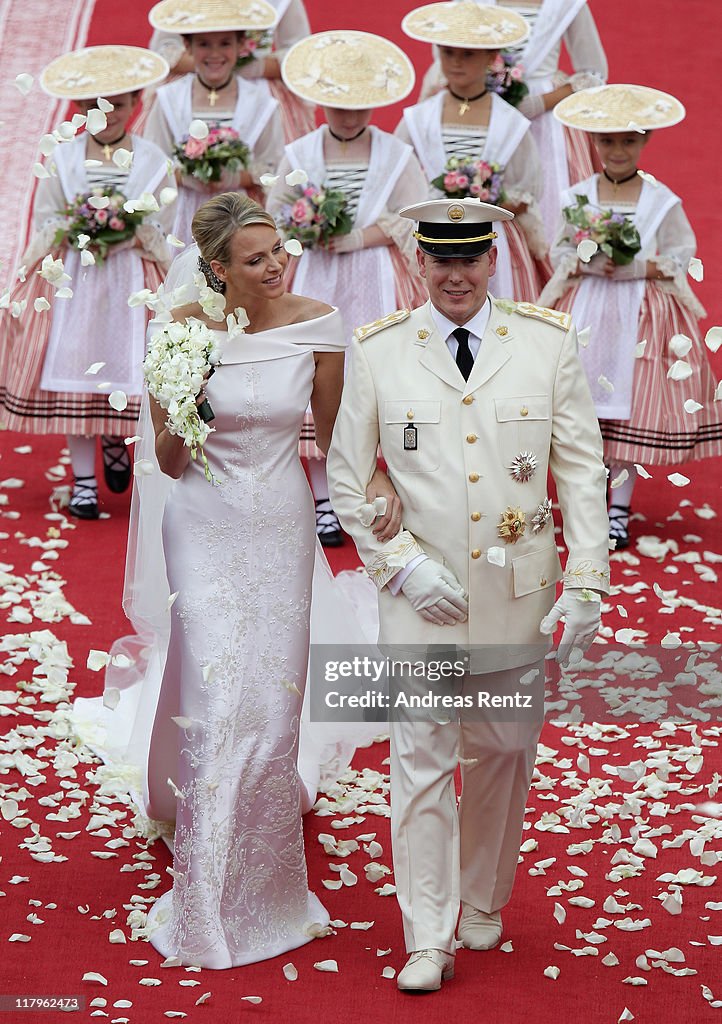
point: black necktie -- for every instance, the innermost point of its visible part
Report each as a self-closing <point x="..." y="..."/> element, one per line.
<point x="464" y="358"/>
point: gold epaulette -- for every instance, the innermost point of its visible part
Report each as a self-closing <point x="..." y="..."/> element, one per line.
<point x="362" y="333"/>
<point x="549" y="316"/>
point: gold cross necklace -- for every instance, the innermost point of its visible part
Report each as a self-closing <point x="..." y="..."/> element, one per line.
<point x="213" y="93"/>
<point x="466" y="101"/>
<point x="109" y="147"/>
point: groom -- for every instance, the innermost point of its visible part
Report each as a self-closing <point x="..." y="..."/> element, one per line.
<point x="472" y="399"/>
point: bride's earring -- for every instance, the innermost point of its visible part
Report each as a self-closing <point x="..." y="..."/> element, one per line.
<point x="211" y="277"/>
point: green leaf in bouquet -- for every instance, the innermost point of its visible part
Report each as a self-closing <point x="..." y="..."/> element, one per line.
<point x="606" y="248"/>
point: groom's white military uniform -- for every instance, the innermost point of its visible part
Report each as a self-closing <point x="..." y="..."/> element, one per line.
<point x="469" y="460"/>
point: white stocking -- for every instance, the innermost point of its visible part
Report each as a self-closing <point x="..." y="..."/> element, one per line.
<point x="82" y="455"/>
<point x="317" y="477"/>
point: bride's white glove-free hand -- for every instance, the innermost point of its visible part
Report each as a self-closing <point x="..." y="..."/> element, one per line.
<point x="582" y="614"/>
<point x="435" y="593"/>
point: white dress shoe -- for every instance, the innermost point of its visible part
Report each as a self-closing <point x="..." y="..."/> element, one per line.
<point x="478" y="930"/>
<point x="425" y="970"/>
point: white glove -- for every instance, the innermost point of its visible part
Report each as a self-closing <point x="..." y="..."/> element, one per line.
<point x="351" y="242"/>
<point x="582" y="614"/>
<point x="435" y="593"/>
<point x="585" y="80"/>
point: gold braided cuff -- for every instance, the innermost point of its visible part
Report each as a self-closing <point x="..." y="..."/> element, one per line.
<point x="454" y="241"/>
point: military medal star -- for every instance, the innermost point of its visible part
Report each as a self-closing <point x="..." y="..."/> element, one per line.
<point x="523" y="466"/>
<point x="542" y="516"/>
<point x="512" y="525"/>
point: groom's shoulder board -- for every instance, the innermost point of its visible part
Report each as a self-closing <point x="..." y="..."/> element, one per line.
<point x="362" y="333"/>
<point x="549" y="316"/>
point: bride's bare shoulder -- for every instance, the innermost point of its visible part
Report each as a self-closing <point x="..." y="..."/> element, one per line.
<point x="302" y="308"/>
<point x="191" y="309"/>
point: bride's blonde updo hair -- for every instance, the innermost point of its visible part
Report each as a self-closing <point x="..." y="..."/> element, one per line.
<point x="214" y="225"/>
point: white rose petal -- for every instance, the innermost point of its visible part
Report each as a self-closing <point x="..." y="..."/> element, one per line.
<point x="117" y="936"/>
<point x="94" y="368"/>
<point x="496" y="556"/>
<point x="642" y="472"/>
<point x="605" y="384"/>
<point x="24" y="83"/>
<point x="118" y="400"/>
<point x="297" y="177"/>
<point x="293" y="247"/>
<point x="94" y="976"/>
<point x="584" y="337"/>
<point x="552" y="972"/>
<point x="586" y="249"/>
<point x="41" y="171"/>
<point x="268" y="180"/>
<point x="326" y="965"/>
<point x="198" y="129"/>
<point x="639" y="349"/>
<point x="19" y="937"/>
<point x="713" y="338"/>
<point x="625" y="1015"/>
<point x="691" y="406"/>
<point x="86" y="258"/>
<point x="175" y="242"/>
<point x="679" y="370"/>
<point x="696" y="269"/>
<point x="41" y="305"/>
<point x="48" y="144"/>
<point x="252" y="999"/>
<point x="96" y="121"/>
<point x="678" y="479"/>
<point x="111" y="698"/>
<point x="560" y="913"/>
<point x="143" y="467"/>
<point x="123" y="158"/>
<point x="99" y="202"/>
<point x="680" y="344"/>
<point x="619" y="479"/>
<point x="290" y="972"/>
<point x="97" y="660"/>
<point x="168" y="195"/>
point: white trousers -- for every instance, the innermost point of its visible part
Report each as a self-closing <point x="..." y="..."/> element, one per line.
<point x="443" y="854"/>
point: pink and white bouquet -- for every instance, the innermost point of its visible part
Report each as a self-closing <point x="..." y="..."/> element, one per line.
<point x="615" y="234"/>
<point x="314" y="215"/>
<point x="505" y="77"/>
<point x="206" y="159"/>
<point x="253" y="45"/>
<point x="96" y="221"/>
<point x="465" y="178"/>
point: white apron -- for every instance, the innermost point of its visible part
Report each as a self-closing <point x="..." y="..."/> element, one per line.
<point x="360" y="283"/>
<point x="611" y="308"/>
<point x="97" y="324"/>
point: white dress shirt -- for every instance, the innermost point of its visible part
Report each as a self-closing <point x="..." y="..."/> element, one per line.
<point x="476" y="327"/>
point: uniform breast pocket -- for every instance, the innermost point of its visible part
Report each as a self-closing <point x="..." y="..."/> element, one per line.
<point x="411" y="440"/>
<point x="523" y="424"/>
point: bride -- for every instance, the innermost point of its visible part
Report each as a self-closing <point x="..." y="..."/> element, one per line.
<point x="232" y="652"/>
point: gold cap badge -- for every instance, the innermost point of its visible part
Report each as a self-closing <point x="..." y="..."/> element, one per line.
<point x="456" y="212"/>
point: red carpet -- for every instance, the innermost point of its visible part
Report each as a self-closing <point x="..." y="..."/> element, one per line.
<point x="42" y="897"/>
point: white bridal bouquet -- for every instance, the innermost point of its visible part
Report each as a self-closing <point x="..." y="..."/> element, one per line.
<point x="180" y="357"/>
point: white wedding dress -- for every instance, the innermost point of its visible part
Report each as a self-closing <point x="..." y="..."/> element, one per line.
<point x="221" y="677"/>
